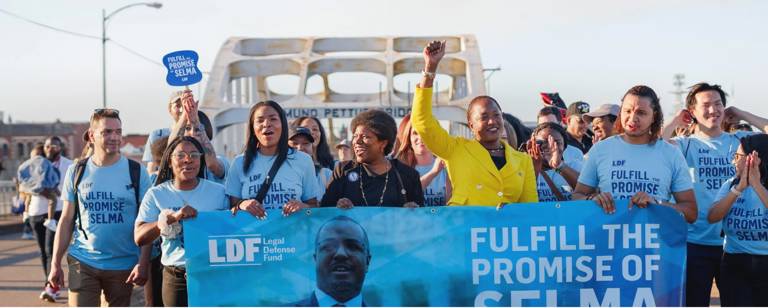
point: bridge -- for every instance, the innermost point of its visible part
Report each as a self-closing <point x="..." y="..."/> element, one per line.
<point x="248" y="70"/>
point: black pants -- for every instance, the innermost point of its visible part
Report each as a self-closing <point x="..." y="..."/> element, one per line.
<point x="174" y="287"/>
<point x="745" y="280"/>
<point x="703" y="264"/>
<point x="44" y="239"/>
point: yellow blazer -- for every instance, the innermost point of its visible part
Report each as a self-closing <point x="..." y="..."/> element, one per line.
<point x="474" y="177"/>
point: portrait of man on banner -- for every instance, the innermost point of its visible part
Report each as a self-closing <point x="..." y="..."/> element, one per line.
<point x="342" y="255"/>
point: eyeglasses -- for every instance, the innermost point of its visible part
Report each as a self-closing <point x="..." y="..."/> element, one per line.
<point x="738" y="155"/>
<point x="183" y="155"/>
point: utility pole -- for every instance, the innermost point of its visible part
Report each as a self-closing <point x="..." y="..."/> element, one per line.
<point x="679" y="92"/>
<point x="488" y="78"/>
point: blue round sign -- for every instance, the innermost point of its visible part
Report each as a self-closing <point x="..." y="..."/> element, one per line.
<point x="182" y="68"/>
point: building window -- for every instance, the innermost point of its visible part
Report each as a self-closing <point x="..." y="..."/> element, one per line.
<point x="20" y="147"/>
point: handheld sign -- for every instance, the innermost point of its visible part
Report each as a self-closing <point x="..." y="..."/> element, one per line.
<point x="182" y="68"/>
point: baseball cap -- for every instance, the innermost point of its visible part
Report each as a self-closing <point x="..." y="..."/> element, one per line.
<point x="176" y="95"/>
<point x="603" y="110"/>
<point x="577" y="108"/>
<point x="343" y="143"/>
<point x="300" y="130"/>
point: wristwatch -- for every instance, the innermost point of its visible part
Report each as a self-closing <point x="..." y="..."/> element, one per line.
<point x="428" y="74"/>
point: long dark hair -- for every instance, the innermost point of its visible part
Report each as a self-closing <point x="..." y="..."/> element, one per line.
<point x="759" y="144"/>
<point x="166" y="172"/>
<point x="252" y="143"/>
<point x="323" y="151"/>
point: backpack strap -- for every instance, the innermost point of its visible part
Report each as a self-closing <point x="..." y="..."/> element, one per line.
<point x="79" y="171"/>
<point x="134" y="168"/>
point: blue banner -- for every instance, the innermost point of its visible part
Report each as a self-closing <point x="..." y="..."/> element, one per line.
<point x="182" y="68"/>
<point x="543" y="254"/>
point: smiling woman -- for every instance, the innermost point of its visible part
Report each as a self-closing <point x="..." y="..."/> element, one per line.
<point x="484" y="170"/>
<point x="181" y="192"/>
<point x="372" y="179"/>
<point x="269" y="174"/>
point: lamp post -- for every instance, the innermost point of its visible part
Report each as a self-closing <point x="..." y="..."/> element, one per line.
<point x="104" y="18"/>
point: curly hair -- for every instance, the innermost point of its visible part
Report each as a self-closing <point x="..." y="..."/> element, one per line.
<point x="382" y="125"/>
<point x="658" y="115"/>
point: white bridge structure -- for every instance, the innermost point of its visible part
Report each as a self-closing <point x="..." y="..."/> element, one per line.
<point x="244" y="69"/>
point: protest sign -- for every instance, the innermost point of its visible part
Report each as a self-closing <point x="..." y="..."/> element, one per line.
<point x="182" y="68"/>
<point x="544" y="254"/>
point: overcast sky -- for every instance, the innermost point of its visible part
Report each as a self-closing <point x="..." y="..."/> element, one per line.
<point x="586" y="50"/>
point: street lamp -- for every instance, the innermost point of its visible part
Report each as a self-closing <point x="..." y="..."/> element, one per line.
<point x="104" y="18"/>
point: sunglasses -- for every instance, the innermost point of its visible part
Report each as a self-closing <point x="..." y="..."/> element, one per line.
<point x="105" y="112"/>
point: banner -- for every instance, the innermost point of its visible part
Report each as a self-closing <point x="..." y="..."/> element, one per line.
<point x="541" y="254"/>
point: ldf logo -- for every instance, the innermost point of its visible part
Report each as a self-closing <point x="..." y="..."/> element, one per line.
<point x="238" y="250"/>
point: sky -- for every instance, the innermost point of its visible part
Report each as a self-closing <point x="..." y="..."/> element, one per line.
<point x="585" y="50"/>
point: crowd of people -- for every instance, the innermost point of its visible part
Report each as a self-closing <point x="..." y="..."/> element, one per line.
<point x="119" y="224"/>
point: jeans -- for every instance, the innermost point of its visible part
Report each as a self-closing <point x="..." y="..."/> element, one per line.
<point x="44" y="239"/>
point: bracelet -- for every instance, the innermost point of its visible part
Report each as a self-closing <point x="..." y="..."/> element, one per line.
<point x="430" y="75"/>
<point x="590" y="196"/>
<point x="735" y="191"/>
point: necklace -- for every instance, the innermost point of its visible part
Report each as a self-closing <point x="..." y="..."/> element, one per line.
<point x="500" y="148"/>
<point x="362" y="191"/>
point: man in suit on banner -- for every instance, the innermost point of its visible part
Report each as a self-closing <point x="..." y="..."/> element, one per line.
<point x="342" y="255"/>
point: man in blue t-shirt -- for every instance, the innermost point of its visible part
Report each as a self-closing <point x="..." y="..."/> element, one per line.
<point x="708" y="154"/>
<point x="636" y="164"/>
<point x="174" y="109"/>
<point x="103" y="256"/>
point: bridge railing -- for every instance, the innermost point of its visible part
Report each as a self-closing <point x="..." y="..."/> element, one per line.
<point x="7" y="194"/>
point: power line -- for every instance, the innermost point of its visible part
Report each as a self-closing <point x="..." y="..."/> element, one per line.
<point x="136" y="53"/>
<point x="49" y="27"/>
<point x="126" y="48"/>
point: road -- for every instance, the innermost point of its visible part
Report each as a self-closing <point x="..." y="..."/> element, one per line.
<point x="21" y="273"/>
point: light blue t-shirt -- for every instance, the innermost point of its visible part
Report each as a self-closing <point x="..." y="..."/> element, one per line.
<point x="154" y="136"/>
<point x="295" y="180"/>
<point x="623" y="169"/>
<point x="573" y="157"/>
<point x="108" y="210"/>
<point x="746" y="224"/>
<point x="207" y="196"/>
<point x="323" y="178"/>
<point x="709" y="163"/>
<point x="435" y="193"/>
<point x="224" y="164"/>
<point x="545" y="193"/>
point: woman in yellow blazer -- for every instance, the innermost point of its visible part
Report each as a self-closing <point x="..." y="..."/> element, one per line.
<point x="485" y="170"/>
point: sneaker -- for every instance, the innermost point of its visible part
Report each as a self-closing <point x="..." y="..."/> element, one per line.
<point x="50" y="224"/>
<point x="49" y="294"/>
<point x="27" y="236"/>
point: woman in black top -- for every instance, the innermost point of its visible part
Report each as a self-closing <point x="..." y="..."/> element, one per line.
<point x="372" y="179"/>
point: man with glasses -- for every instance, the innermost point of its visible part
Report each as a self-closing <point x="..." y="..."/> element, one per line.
<point x="101" y="195"/>
<point x="174" y="109"/>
